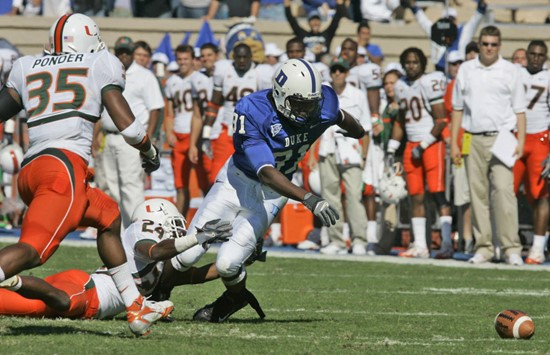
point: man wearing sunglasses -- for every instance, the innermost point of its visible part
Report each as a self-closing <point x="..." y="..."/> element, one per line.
<point x="488" y="101"/>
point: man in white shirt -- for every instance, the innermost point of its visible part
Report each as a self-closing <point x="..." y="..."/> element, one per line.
<point x="342" y="159"/>
<point x="121" y="164"/>
<point x="489" y="100"/>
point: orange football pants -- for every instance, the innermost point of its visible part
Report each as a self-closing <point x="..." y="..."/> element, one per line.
<point x="528" y="168"/>
<point x="54" y="185"/>
<point x="429" y="169"/>
<point x="222" y="149"/>
<point x="182" y="166"/>
<point x="75" y="283"/>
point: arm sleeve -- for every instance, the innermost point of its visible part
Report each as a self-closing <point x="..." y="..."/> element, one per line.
<point x="433" y="88"/>
<point x="519" y="101"/>
<point x="424" y="22"/>
<point x="468" y="31"/>
<point x="15" y="79"/>
<point x="217" y="78"/>
<point x="458" y="99"/>
<point x="108" y="71"/>
<point x="298" y="31"/>
<point x="254" y="145"/>
<point x="152" y="93"/>
<point x="331" y="30"/>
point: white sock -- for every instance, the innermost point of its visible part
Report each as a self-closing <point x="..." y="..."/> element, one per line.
<point x="419" y="232"/>
<point x="446" y="223"/>
<point x="2" y="275"/>
<point x="346" y="231"/>
<point x="371" y="232"/>
<point x="276" y="233"/>
<point x="124" y="282"/>
<point x="538" y="242"/>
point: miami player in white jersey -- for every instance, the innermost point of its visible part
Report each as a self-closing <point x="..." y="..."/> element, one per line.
<point x="422" y="116"/>
<point x="186" y="91"/>
<point x="528" y="169"/>
<point x="156" y="234"/>
<point x="63" y="94"/>
<point x="368" y="78"/>
<point x="233" y="80"/>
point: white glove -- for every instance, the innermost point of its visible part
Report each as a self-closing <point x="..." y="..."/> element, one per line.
<point x="214" y="231"/>
<point x="207" y="148"/>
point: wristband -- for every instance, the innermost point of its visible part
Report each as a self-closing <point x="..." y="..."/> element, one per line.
<point x="134" y="133"/>
<point x="186" y="242"/>
<point x="151" y="153"/>
<point x="213" y="105"/>
<point x="393" y="145"/>
<point x="375" y="118"/>
<point x="428" y="141"/>
<point x="206" y="130"/>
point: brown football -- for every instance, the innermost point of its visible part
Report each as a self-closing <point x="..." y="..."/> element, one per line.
<point x="514" y="324"/>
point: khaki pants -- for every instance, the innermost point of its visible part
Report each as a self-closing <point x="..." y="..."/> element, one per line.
<point x="492" y="191"/>
<point x="330" y="191"/>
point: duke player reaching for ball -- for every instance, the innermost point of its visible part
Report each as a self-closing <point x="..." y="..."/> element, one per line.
<point x="63" y="94"/>
<point x="273" y="129"/>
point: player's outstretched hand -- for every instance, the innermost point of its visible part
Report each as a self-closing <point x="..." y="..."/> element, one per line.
<point x="150" y="164"/>
<point x="545" y="173"/>
<point x="321" y="209"/>
<point x="214" y="231"/>
<point x="207" y="148"/>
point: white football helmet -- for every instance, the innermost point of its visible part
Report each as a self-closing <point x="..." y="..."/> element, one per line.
<point x="297" y="91"/>
<point x="164" y="214"/>
<point x="75" y="33"/>
<point x="11" y="157"/>
<point x="392" y="185"/>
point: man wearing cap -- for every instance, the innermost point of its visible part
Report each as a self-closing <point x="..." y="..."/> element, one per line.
<point x="341" y="159"/>
<point x="488" y="102"/>
<point x="316" y="41"/>
<point x="464" y="35"/>
<point x="119" y="162"/>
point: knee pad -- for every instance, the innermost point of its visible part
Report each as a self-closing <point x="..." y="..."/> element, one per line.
<point x="441" y="200"/>
<point x="230" y="271"/>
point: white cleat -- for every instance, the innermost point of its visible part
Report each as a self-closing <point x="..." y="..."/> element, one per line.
<point x="414" y="252"/>
<point x="535" y="257"/>
<point x="142" y="314"/>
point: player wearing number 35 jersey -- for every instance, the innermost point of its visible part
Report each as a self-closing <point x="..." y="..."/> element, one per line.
<point x="63" y="95"/>
<point x="273" y="129"/>
<point x="422" y="115"/>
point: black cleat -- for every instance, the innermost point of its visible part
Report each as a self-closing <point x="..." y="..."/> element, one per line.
<point x="227" y="304"/>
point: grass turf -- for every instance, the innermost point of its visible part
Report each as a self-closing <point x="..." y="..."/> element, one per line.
<point x="313" y="306"/>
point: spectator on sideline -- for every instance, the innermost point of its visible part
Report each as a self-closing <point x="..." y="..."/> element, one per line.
<point x="223" y="9"/>
<point x="317" y="41"/>
<point x="374" y="51"/>
<point x="520" y="57"/>
<point x="152" y="8"/>
<point x="472" y="50"/>
<point x="378" y="10"/>
<point x="460" y="179"/>
<point x="488" y="100"/>
<point x="142" y="54"/>
<point x="120" y="162"/>
<point x="341" y="160"/>
<point x="464" y="35"/>
<point x="528" y="168"/>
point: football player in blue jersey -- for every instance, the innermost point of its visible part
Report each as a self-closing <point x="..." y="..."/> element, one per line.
<point x="273" y="129"/>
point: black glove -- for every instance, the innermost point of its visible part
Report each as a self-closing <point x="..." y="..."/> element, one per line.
<point x="150" y="164"/>
<point x="214" y="231"/>
<point x="389" y="160"/>
<point x="417" y="152"/>
<point x="321" y="209"/>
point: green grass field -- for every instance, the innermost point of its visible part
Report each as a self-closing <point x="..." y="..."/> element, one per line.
<point x="314" y="306"/>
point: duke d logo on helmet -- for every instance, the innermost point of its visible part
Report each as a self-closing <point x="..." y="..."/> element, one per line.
<point x="281" y="78"/>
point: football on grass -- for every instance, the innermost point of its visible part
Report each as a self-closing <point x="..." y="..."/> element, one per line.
<point x="514" y="324"/>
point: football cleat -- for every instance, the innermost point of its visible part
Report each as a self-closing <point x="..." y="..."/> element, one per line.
<point x="142" y="314"/>
<point x="414" y="252"/>
<point x="535" y="257"/>
<point x="444" y="253"/>
<point x="227" y="304"/>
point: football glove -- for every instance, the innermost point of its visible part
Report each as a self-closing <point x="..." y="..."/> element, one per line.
<point x="150" y="164"/>
<point x="417" y="152"/>
<point x="545" y="173"/>
<point x="214" y="231"/>
<point x="206" y="148"/>
<point x="389" y="160"/>
<point x="321" y="209"/>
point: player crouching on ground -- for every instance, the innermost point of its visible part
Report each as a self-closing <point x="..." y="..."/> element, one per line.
<point x="273" y="129"/>
<point x="156" y="234"/>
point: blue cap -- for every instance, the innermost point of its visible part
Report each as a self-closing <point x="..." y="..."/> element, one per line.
<point x="313" y="14"/>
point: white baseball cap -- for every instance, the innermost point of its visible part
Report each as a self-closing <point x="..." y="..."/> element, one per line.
<point x="362" y="51"/>
<point x="272" y="50"/>
<point x="455" y="56"/>
<point x="394" y="66"/>
<point x="449" y="12"/>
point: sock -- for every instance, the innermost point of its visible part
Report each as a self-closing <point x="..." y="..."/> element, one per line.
<point x="17" y="285"/>
<point x="446" y="223"/>
<point x="371" y="232"/>
<point x="538" y="242"/>
<point x="276" y="233"/>
<point x="2" y="275"/>
<point x="124" y="282"/>
<point x="346" y="231"/>
<point x="419" y="232"/>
